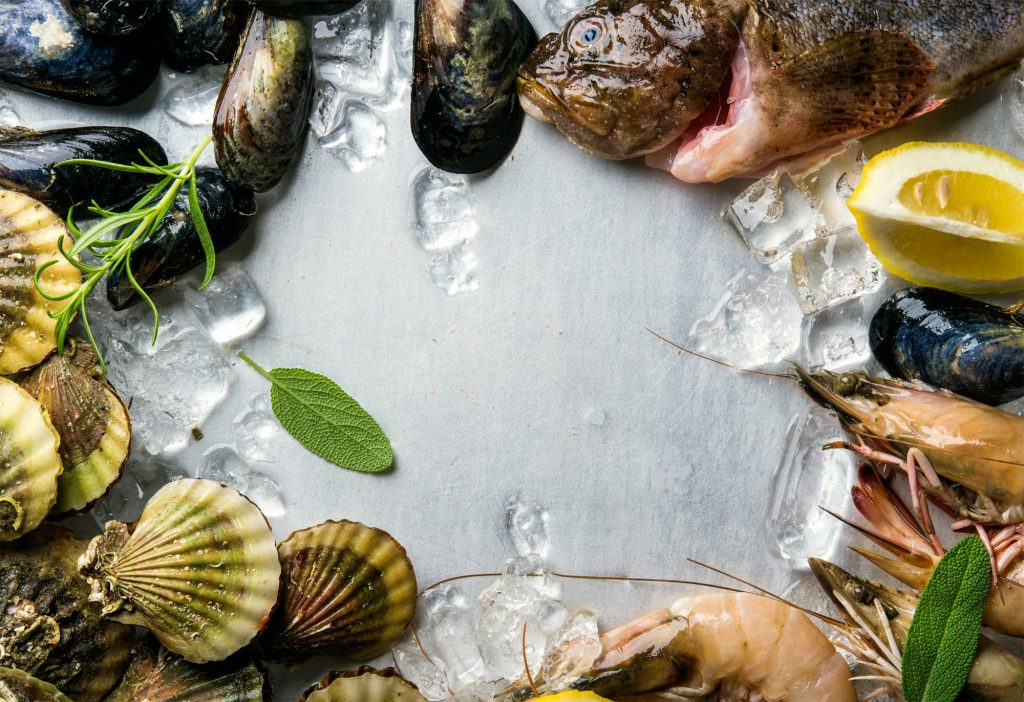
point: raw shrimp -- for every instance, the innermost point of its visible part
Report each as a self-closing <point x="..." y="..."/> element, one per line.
<point x="877" y="620"/>
<point x="978" y="450"/>
<point x="727" y="647"/>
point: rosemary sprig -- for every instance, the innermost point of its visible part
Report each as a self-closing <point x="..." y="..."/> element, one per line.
<point x="114" y="236"/>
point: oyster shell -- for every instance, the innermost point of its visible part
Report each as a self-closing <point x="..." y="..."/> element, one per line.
<point x="44" y="49"/>
<point x="48" y="626"/>
<point x="465" y="111"/>
<point x="303" y="8"/>
<point x="29" y="235"/>
<point x="19" y="686"/>
<point x="29" y="460"/>
<point x="157" y="675"/>
<point x="195" y="33"/>
<point x="263" y="109"/>
<point x="113" y="17"/>
<point x="174" y="248"/>
<point x="364" y="684"/>
<point x="91" y="420"/>
<point x="346" y="589"/>
<point x="199" y="569"/>
<point x="27" y="160"/>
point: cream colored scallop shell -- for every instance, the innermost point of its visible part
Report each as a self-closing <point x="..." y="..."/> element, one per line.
<point x="29" y="235"/>
<point x="29" y="462"/>
<point x="19" y="686"/>
<point x="363" y="685"/>
<point x="199" y="570"/>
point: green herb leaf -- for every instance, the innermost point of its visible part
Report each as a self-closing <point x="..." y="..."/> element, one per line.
<point x="943" y="636"/>
<point x="325" y="419"/>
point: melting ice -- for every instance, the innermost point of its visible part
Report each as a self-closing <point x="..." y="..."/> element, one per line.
<point x="445" y="225"/>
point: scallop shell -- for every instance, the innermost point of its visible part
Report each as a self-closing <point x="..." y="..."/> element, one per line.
<point x="365" y="684"/>
<point x="48" y="626"/>
<point x="199" y="569"/>
<point x="91" y="420"/>
<point x="157" y="675"/>
<point x="29" y="462"/>
<point x="29" y="233"/>
<point x="346" y="589"/>
<point x="19" y="686"/>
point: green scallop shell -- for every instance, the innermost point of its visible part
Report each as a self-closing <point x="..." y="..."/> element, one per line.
<point x="199" y="569"/>
<point x="346" y="589"/>
<point x="364" y="684"/>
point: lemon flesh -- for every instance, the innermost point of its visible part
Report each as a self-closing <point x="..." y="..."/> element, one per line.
<point x="945" y="215"/>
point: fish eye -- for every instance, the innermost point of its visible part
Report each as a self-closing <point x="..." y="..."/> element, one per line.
<point x="587" y="33"/>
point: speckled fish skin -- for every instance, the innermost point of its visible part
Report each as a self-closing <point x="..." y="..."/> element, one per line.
<point x="43" y="48"/>
<point x="806" y="75"/>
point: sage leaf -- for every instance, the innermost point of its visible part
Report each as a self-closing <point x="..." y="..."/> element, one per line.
<point x="943" y="636"/>
<point x="325" y="419"/>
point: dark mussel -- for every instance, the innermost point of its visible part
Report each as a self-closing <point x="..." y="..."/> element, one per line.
<point x="113" y="17"/>
<point x="157" y="675"/>
<point x="27" y="160"/>
<point x="303" y="8"/>
<point x="263" y="109"/>
<point x="48" y="626"/>
<point x="952" y="342"/>
<point x="44" y="49"/>
<point x="195" y="33"/>
<point x="174" y="248"/>
<point x="465" y="113"/>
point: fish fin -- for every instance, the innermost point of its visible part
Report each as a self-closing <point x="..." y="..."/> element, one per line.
<point x="907" y="573"/>
<point x="924" y="108"/>
<point x="859" y="82"/>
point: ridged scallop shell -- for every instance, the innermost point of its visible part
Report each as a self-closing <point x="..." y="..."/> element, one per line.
<point x="157" y="675"/>
<point x="91" y="420"/>
<point x="364" y="684"/>
<point x="29" y="232"/>
<point x="346" y="589"/>
<point x="48" y="626"/>
<point x="29" y="462"/>
<point x="19" y="686"/>
<point x="199" y="569"/>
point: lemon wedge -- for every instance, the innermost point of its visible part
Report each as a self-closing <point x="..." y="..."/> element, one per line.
<point x="948" y="215"/>
<point x="571" y="697"/>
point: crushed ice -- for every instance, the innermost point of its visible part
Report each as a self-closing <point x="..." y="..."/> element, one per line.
<point x="223" y="464"/>
<point x="445" y="224"/>
<point x="192" y="98"/>
<point x="475" y="648"/>
<point x="561" y="11"/>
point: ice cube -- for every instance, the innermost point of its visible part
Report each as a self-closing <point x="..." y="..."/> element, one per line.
<point x="428" y="676"/>
<point x="448" y="635"/>
<point x="806" y="479"/>
<point x="774" y="215"/>
<point x="527" y="524"/>
<point x="831" y="184"/>
<point x="230" y="307"/>
<point x="836" y="338"/>
<point x="172" y="386"/>
<point x="561" y="11"/>
<point x="222" y="463"/>
<point x="192" y="98"/>
<point x="571" y="649"/>
<point x="1014" y="100"/>
<point x="443" y="209"/>
<point x="836" y="268"/>
<point x="8" y="115"/>
<point x="323" y="118"/>
<point x="143" y="476"/>
<point x="359" y="138"/>
<point x="454" y="270"/>
<point x="756" y="323"/>
<point x="257" y="431"/>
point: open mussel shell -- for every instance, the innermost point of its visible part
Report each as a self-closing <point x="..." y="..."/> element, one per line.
<point x="196" y="33"/>
<point x="91" y="420"/>
<point x="199" y="569"/>
<point x="29" y="460"/>
<point x="950" y="341"/>
<point x="157" y="675"/>
<point x="465" y="111"/>
<point x="364" y="684"/>
<point x="44" y="49"/>
<point x="174" y="249"/>
<point x="346" y="589"/>
<point x="303" y="8"/>
<point x="18" y="686"/>
<point x="113" y="17"/>
<point x="28" y="164"/>
<point x="29" y="237"/>
<point x="48" y="626"/>
<point x="263" y="109"/>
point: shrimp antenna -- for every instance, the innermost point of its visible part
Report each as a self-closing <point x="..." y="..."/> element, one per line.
<point x="526" y="664"/>
<point x="768" y="593"/>
<point x="712" y="359"/>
